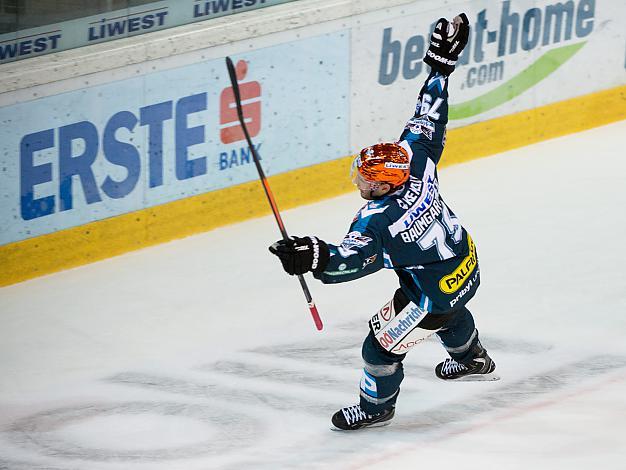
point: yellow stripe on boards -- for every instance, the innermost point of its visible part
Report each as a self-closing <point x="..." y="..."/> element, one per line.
<point x="76" y="246"/>
<point x="528" y="127"/>
<point x="110" y="237"/>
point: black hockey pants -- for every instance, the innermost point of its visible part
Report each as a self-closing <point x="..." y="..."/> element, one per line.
<point x="383" y="370"/>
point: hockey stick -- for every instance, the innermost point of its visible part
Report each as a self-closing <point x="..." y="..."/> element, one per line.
<point x="266" y="187"/>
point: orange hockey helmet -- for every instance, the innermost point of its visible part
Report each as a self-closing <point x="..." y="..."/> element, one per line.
<point x="383" y="163"/>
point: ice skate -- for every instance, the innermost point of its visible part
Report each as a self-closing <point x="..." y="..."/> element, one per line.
<point x="481" y="368"/>
<point x="353" y="417"/>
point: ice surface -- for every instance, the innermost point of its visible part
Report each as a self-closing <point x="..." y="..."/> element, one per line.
<point x="201" y="353"/>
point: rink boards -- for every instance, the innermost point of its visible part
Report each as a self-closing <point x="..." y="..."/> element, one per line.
<point x="134" y="158"/>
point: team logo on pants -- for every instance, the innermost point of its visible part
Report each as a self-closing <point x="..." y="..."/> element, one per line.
<point x="383" y="317"/>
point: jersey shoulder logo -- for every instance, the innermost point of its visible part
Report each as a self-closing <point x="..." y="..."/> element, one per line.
<point x="350" y="241"/>
<point x="421" y="125"/>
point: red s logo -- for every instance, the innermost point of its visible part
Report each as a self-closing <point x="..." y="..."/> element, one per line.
<point x="231" y="130"/>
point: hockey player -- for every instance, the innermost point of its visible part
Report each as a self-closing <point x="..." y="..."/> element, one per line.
<point x="406" y="226"/>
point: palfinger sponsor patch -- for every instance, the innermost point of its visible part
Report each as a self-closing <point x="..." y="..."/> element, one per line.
<point x="452" y="282"/>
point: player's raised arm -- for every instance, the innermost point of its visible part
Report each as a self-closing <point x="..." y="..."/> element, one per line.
<point x="425" y="131"/>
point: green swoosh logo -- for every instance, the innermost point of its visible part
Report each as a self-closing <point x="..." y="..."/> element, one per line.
<point x="527" y="78"/>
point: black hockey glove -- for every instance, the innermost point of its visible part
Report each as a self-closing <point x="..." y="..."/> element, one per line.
<point x="446" y="43"/>
<point x="301" y="255"/>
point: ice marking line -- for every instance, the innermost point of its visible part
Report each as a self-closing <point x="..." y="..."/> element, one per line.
<point x="15" y="465"/>
<point x="537" y="406"/>
<point x="514" y="345"/>
<point x="236" y="410"/>
<point x="345" y="352"/>
<point x="38" y="431"/>
<point x="230" y="397"/>
<point x="337" y="352"/>
<point x="434" y="424"/>
<point x="301" y="376"/>
<point x="340" y="353"/>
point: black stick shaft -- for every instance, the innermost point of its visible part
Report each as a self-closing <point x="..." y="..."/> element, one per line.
<point x="268" y="192"/>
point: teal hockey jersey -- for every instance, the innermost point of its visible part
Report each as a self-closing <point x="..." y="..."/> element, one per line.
<point x="412" y="230"/>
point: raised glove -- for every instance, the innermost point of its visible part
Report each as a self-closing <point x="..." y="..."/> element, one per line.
<point x="301" y="255"/>
<point x="446" y="43"/>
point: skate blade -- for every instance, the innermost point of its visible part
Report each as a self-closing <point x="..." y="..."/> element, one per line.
<point x="478" y="378"/>
<point x="375" y="425"/>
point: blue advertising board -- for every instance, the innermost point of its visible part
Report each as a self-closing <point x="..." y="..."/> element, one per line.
<point x="110" y="149"/>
